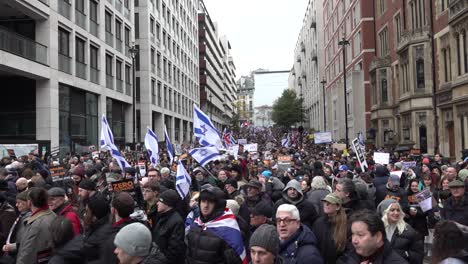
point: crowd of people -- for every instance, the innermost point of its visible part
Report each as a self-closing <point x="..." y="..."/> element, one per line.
<point x="304" y="203"/>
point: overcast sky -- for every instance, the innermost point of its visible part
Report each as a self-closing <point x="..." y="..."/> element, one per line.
<point x="263" y="34"/>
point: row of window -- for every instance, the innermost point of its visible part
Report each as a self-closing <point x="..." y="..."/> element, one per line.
<point x="167" y="98"/>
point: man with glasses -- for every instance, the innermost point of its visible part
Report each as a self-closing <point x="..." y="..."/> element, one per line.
<point x="153" y="175"/>
<point x="151" y="190"/>
<point x="297" y="242"/>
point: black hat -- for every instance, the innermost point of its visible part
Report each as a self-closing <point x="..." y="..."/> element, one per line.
<point x="211" y="193"/>
<point x="3" y="185"/>
<point x="98" y="206"/>
<point x="130" y="170"/>
<point x="255" y="184"/>
<point x="170" y="198"/>
<point x="263" y="208"/>
<point x="232" y="182"/>
<point x="56" y="192"/>
<point x="87" y="185"/>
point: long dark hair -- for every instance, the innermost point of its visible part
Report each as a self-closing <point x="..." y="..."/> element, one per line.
<point x="61" y="231"/>
<point x="448" y="241"/>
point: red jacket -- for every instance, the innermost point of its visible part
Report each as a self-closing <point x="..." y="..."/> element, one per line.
<point x="68" y="212"/>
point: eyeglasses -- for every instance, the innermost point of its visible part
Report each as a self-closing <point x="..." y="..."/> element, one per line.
<point x="287" y="221"/>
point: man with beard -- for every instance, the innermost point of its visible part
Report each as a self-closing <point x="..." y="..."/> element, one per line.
<point x="254" y="196"/>
<point x="292" y="194"/>
<point x="86" y="192"/>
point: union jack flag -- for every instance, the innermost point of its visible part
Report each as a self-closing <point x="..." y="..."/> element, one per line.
<point x="228" y="138"/>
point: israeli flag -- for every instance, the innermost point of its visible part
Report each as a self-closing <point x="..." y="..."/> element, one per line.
<point x="183" y="180"/>
<point x="285" y="142"/>
<point x="204" y="130"/>
<point x="170" y="149"/>
<point x="205" y="155"/>
<point x="151" y="144"/>
<point x="107" y="143"/>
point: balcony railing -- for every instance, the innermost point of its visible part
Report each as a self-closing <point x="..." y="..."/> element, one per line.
<point x="119" y="86"/>
<point x="64" y="63"/>
<point x="118" y="45"/>
<point x="128" y="88"/>
<point x="109" y="39"/>
<point x="413" y="36"/>
<point x="80" y="19"/>
<point x="22" y="46"/>
<point x="80" y="70"/>
<point x="110" y="81"/>
<point x="94" y="74"/>
<point x="457" y="8"/>
<point x="64" y="8"/>
<point x="94" y="28"/>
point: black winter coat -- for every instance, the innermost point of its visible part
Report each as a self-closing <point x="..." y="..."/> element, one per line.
<point x="168" y="234"/>
<point x="204" y="247"/>
<point x="109" y="244"/>
<point x="95" y="247"/>
<point x="250" y="203"/>
<point x="383" y="192"/>
<point x="306" y="211"/>
<point x="388" y="256"/>
<point x="456" y="212"/>
<point x="325" y="243"/>
<point x="301" y="248"/>
<point x="70" y="253"/>
<point x="155" y="256"/>
<point x="408" y="245"/>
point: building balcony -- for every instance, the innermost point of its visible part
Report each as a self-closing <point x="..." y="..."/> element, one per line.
<point x="64" y="63"/>
<point x="119" y="84"/>
<point x="94" y="75"/>
<point x="80" y="19"/>
<point x="457" y="8"/>
<point x="19" y="45"/>
<point x="380" y="62"/>
<point x="413" y="36"/>
<point x="94" y="28"/>
<point x="64" y="8"/>
<point x="80" y="70"/>
<point x="110" y="81"/>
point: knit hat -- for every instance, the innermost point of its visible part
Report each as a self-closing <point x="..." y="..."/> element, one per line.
<point x="233" y="205"/>
<point x="266" y="237"/>
<point x="267" y="174"/>
<point x="23" y="196"/>
<point x="398" y="165"/>
<point x="134" y="239"/>
<point x="169" y="198"/>
<point x="332" y="198"/>
<point x="56" y="192"/>
<point x="263" y="208"/>
<point x="87" y="185"/>
<point x="99" y="207"/>
<point x="78" y="170"/>
<point x="384" y="205"/>
<point x="463" y="174"/>
<point x="426" y="161"/>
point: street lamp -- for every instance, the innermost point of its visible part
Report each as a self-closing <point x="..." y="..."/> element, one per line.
<point x="211" y="106"/>
<point x="133" y="52"/>
<point x="343" y="43"/>
<point x="323" y="82"/>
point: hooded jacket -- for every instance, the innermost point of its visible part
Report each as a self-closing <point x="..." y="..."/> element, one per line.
<point x="300" y="248"/>
<point x="306" y="208"/>
<point x="70" y="253"/>
<point x="385" y="192"/>
<point x="381" y="176"/>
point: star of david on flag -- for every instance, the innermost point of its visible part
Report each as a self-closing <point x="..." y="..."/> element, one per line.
<point x="204" y="130"/>
<point x="205" y="155"/>
<point x="151" y="144"/>
<point x="107" y="143"/>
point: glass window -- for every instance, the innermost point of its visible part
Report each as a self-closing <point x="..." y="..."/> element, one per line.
<point x="64" y="42"/>
<point x="93" y="10"/>
<point x="109" y="59"/>
<point x="118" y="70"/>
<point x="108" y="22"/>
<point x="79" y="5"/>
<point x="80" y="50"/>
<point x="118" y="30"/>
<point x="93" y="54"/>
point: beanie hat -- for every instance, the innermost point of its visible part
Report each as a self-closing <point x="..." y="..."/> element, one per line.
<point x="169" y="198"/>
<point x="99" y="207"/>
<point x="23" y="196"/>
<point x="267" y="174"/>
<point x="87" y="185"/>
<point x="463" y="174"/>
<point x="384" y="205"/>
<point x="266" y="237"/>
<point x="426" y="161"/>
<point x="263" y="208"/>
<point x="134" y="239"/>
<point x="79" y="170"/>
<point x="233" y="205"/>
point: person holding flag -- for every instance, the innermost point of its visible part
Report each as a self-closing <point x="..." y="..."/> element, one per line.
<point x="214" y="237"/>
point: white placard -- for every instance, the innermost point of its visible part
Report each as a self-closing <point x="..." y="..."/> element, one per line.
<point x="381" y="158"/>
<point x="322" y="137"/>
<point x="242" y="141"/>
<point x="251" y="147"/>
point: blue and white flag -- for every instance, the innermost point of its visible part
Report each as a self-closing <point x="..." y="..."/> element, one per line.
<point x="205" y="155"/>
<point x="285" y="142"/>
<point x="107" y="143"/>
<point x="170" y="149"/>
<point x="204" y="130"/>
<point x="183" y="180"/>
<point x="151" y="144"/>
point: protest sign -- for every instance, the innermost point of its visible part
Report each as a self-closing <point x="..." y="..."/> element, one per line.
<point x="339" y="146"/>
<point x="381" y="158"/>
<point x="284" y="163"/>
<point x="360" y="153"/>
<point x="123" y="186"/>
<point x="251" y="147"/>
<point x="58" y="173"/>
<point x="425" y="199"/>
<point x="242" y="141"/>
<point x="408" y="164"/>
<point x="322" y="137"/>
<point x="142" y="168"/>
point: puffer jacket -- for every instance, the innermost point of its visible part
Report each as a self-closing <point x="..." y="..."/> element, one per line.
<point x="204" y="247"/>
<point x="408" y="245"/>
<point x="168" y="234"/>
<point x="36" y="238"/>
<point x="306" y="207"/>
<point x="70" y="253"/>
<point x="301" y="248"/>
<point x="456" y="212"/>
<point x="388" y="256"/>
<point x="95" y="242"/>
<point x="381" y="175"/>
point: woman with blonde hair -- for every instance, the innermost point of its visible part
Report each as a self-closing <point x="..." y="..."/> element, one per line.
<point x="331" y="229"/>
<point x="402" y="237"/>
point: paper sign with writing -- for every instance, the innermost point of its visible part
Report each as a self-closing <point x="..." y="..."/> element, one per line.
<point x="242" y="141"/>
<point x="324" y="137"/>
<point x="382" y="158"/>
<point x="57" y="173"/>
<point x="123" y="186"/>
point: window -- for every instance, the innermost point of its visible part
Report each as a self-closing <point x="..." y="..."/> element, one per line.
<point x="80" y="50"/>
<point x="127" y="37"/>
<point x="374" y="88"/>
<point x="93" y="10"/>
<point x="443" y="5"/>
<point x="64" y="42"/>
<point x="158" y="31"/>
<point x="137" y="89"/>
<point x="79" y="5"/>
<point x="159" y="94"/>
<point x="398" y="28"/>
<point x="384" y="86"/>
<point x="118" y="70"/>
<point x="447" y="64"/>
<point x="382" y="6"/>
<point x="109" y="59"/>
<point x="383" y="42"/>
<point x="108" y="22"/>
<point x="153" y="91"/>
<point x="93" y="57"/>
<point x="128" y="74"/>
<point x="137" y="25"/>
<point x="406" y="127"/>
<point x="420" y="82"/>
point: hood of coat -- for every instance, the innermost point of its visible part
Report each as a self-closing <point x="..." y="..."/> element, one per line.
<point x="297" y="186"/>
